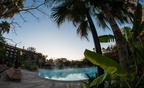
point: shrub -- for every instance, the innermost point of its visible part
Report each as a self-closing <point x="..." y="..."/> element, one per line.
<point x="30" y="65"/>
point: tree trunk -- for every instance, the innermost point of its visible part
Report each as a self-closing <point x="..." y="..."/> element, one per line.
<point x="97" y="45"/>
<point x="120" y="40"/>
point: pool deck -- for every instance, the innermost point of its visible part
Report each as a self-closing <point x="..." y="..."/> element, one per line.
<point x="32" y="80"/>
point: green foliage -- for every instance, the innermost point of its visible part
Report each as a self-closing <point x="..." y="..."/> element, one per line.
<point x="106" y="63"/>
<point x="30" y="65"/>
<point x="127" y="33"/>
<point x="106" y="38"/>
<point x="9" y="8"/>
<point x="132" y="36"/>
<point x="89" y="81"/>
<point x="112" y="68"/>
<point x="9" y="63"/>
<point x="32" y="49"/>
<point x="99" y="79"/>
<point x="136" y="77"/>
<point x="63" y="62"/>
<point x="138" y="50"/>
<point x="4" y="27"/>
<point x="137" y="23"/>
<point x="136" y="47"/>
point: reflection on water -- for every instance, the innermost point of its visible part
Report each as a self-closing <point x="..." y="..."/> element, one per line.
<point x="69" y="74"/>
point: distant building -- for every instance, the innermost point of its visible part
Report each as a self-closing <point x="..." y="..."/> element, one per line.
<point x="12" y="53"/>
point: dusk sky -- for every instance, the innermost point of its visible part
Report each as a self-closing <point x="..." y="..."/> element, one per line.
<point x="47" y="38"/>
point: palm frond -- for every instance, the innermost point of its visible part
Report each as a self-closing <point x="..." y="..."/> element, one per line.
<point x="60" y="13"/>
<point x="83" y="29"/>
<point x="101" y="20"/>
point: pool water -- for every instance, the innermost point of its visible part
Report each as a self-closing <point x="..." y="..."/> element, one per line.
<point x="69" y="74"/>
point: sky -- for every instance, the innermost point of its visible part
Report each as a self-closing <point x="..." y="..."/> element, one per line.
<point x="49" y="39"/>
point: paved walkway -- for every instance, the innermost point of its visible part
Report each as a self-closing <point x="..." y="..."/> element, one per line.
<point x="32" y="80"/>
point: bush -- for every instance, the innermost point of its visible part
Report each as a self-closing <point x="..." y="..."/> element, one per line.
<point x="33" y="68"/>
<point x="30" y="65"/>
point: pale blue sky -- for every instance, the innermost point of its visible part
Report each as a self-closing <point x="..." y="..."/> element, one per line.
<point x="50" y="40"/>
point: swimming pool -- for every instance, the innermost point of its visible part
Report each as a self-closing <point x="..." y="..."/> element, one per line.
<point x="69" y="74"/>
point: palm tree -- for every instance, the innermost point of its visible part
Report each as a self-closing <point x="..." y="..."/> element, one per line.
<point x="110" y="9"/>
<point x="78" y="12"/>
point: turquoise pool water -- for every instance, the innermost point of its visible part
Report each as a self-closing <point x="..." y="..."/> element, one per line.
<point x="69" y="74"/>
